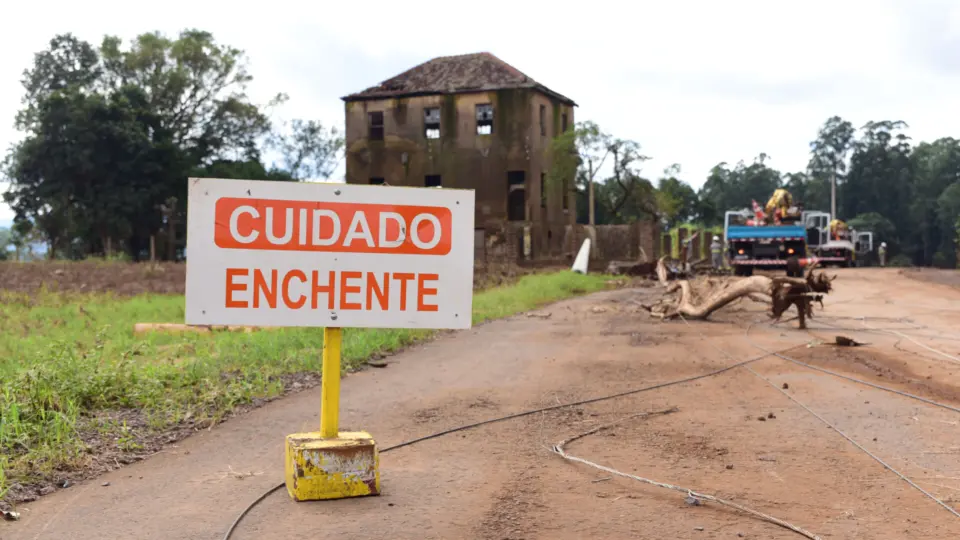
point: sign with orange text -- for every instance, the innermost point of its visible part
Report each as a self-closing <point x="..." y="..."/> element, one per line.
<point x="262" y="253"/>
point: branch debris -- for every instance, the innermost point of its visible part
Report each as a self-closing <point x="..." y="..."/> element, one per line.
<point x="699" y="298"/>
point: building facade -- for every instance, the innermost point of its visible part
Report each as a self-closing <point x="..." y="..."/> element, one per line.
<point x="468" y="122"/>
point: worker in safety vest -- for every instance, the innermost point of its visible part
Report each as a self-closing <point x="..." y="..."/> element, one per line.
<point x="883" y="253"/>
<point x="716" y="252"/>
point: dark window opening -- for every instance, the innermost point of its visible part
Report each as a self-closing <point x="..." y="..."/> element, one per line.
<point x="376" y="125"/>
<point x="432" y="180"/>
<point x="431" y="123"/>
<point x="543" y="190"/>
<point x="376" y="181"/>
<point x="563" y="123"/>
<point x="566" y="196"/>
<point x="516" y="196"/>
<point x="484" y="119"/>
<point x="543" y="120"/>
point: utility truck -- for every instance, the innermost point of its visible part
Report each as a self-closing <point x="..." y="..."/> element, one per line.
<point x="783" y="235"/>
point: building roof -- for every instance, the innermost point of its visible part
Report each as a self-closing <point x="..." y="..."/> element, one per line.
<point x="476" y="72"/>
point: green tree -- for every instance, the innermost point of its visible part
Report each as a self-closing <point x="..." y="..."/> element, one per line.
<point x="936" y="168"/>
<point x="67" y="63"/>
<point x="948" y="211"/>
<point x="308" y="149"/>
<point x="90" y="172"/>
<point x="197" y="89"/>
<point x="735" y="189"/>
<point x="580" y="153"/>
<point x="880" y="180"/>
<point x="829" y="156"/>
<point x="676" y="200"/>
<point x="111" y="136"/>
<point x="6" y="243"/>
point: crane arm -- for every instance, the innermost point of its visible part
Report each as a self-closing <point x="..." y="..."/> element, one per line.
<point x="781" y="199"/>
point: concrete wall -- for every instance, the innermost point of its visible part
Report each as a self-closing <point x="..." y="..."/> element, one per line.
<point x="516" y="242"/>
<point x="462" y="157"/>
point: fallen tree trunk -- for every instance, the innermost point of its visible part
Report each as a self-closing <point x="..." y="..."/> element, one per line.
<point x="699" y="302"/>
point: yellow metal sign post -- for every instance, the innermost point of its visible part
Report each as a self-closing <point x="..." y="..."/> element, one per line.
<point x="331" y="464"/>
<point x="330" y="384"/>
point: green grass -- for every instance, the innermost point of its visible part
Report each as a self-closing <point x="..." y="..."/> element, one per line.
<point x="66" y="361"/>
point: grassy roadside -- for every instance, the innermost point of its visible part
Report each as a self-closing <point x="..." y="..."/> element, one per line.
<point x="76" y="386"/>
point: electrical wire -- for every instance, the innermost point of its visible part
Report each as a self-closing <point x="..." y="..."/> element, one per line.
<point x="560" y="450"/>
<point x="746" y="363"/>
<point x="855" y="443"/>
<point x="856" y="380"/>
<point x="831" y="426"/>
<point x="514" y="416"/>
<point x="847" y="377"/>
<point x="931" y="349"/>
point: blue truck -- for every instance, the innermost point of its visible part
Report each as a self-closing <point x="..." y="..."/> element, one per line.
<point x="767" y="247"/>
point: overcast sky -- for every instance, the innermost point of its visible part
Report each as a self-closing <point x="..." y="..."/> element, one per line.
<point x="695" y="82"/>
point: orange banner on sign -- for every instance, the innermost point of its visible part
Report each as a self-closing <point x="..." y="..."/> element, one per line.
<point x="268" y="224"/>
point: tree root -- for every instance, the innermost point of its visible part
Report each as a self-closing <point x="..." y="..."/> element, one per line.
<point x="699" y="299"/>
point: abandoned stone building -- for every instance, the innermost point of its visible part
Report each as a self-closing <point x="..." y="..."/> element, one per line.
<point x="471" y="122"/>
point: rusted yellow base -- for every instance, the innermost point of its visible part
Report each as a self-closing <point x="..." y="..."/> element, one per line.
<point x="318" y="468"/>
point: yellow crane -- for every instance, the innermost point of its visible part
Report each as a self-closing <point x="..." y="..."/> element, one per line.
<point x="838" y="230"/>
<point x="781" y="199"/>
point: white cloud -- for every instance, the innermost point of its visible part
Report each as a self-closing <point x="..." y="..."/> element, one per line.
<point x="696" y="82"/>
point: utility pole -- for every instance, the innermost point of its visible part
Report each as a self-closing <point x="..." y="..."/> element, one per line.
<point x="833" y="194"/>
<point x="590" y="192"/>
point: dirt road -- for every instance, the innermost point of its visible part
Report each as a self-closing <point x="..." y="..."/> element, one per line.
<point x="734" y="435"/>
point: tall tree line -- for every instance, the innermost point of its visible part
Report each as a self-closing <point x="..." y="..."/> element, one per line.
<point x="906" y="193"/>
<point x="111" y="132"/>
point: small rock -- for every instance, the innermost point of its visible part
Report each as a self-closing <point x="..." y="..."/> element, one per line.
<point x="698" y="528"/>
<point x="762" y="418"/>
<point x="785" y="387"/>
<point x="389" y="504"/>
<point x="767" y="458"/>
<point x="771" y="416"/>
<point x="692" y="501"/>
<point x="105" y="484"/>
<point x="377" y="363"/>
<point x="46" y="490"/>
<point x="65" y="484"/>
<point x="729" y="467"/>
<point x="740" y="535"/>
<point x="10" y="515"/>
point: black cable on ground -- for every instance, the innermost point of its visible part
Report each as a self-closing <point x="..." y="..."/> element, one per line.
<point x="780" y="355"/>
<point x="863" y="382"/>
<point x="514" y="416"/>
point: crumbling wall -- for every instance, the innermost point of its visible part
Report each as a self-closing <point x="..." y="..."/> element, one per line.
<point x="530" y="244"/>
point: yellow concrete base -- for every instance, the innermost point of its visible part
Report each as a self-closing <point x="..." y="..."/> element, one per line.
<point x="318" y="468"/>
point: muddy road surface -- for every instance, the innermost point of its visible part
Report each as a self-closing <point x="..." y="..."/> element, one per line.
<point x="757" y="437"/>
